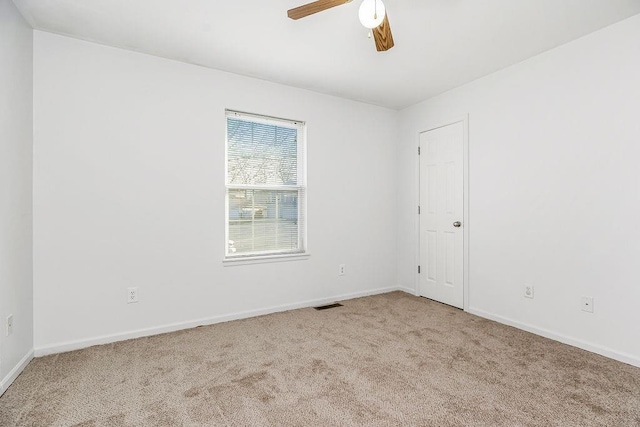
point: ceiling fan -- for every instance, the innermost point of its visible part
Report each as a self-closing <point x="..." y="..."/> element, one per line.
<point x="372" y="15"/>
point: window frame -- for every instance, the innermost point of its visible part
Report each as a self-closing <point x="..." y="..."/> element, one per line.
<point x="300" y="188"/>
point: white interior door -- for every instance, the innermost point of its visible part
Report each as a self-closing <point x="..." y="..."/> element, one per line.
<point x="441" y="214"/>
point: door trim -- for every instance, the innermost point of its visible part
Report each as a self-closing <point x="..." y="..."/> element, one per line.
<point x="465" y="220"/>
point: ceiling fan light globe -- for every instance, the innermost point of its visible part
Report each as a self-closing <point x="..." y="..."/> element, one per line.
<point x="371" y="14"/>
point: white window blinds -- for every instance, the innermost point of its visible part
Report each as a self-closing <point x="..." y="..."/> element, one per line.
<point x="265" y="186"/>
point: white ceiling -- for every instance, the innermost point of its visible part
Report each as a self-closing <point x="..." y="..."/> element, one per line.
<point x="440" y="44"/>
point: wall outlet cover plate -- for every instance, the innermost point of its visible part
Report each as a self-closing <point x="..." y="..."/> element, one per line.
<point x="528" y="291"/>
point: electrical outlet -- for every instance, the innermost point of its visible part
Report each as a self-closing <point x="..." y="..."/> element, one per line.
<point x="587" y="304"/>
<point x="132" y="295"/>
<point x="9" y="324"/>
<point x="342" y="270"/>
<point x="528" y="291"/>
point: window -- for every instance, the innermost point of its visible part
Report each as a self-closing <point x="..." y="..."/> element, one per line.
<point x="265" y="207"/>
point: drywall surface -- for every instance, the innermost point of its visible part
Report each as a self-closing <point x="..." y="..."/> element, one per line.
<point x="129" y="191"/>
<point x="554" y="190"/>
<point x="16" y="136"/>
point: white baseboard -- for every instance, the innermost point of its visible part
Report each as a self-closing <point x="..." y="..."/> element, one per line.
<point x="13" y="374"/>
<point x="408" y="290"/>
<point x="107" y="339"/>
<point x="594" y="348"/>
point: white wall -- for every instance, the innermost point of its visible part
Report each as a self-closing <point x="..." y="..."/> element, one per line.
<point x="554" y="190"/>
<point x="129" y="191"/>
<point x="16" y="101"/>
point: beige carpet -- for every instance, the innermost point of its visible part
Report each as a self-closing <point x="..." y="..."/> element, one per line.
<point x="386" y="360"/>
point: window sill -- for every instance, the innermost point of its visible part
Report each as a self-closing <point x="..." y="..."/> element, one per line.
<point x="263" y="259"/>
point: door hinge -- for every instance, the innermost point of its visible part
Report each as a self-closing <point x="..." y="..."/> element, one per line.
<point x="418" y="269"/>
<point x="418" y="209"/>
<point x="418" y="151"/>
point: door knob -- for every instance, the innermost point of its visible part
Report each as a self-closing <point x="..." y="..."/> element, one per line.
<point x="457" y="224"/>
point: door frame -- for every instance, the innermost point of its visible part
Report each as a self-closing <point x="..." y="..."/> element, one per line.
<point x="429" y="126"/>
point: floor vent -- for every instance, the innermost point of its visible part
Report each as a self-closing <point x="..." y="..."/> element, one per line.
<point x="326" y="307"/>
